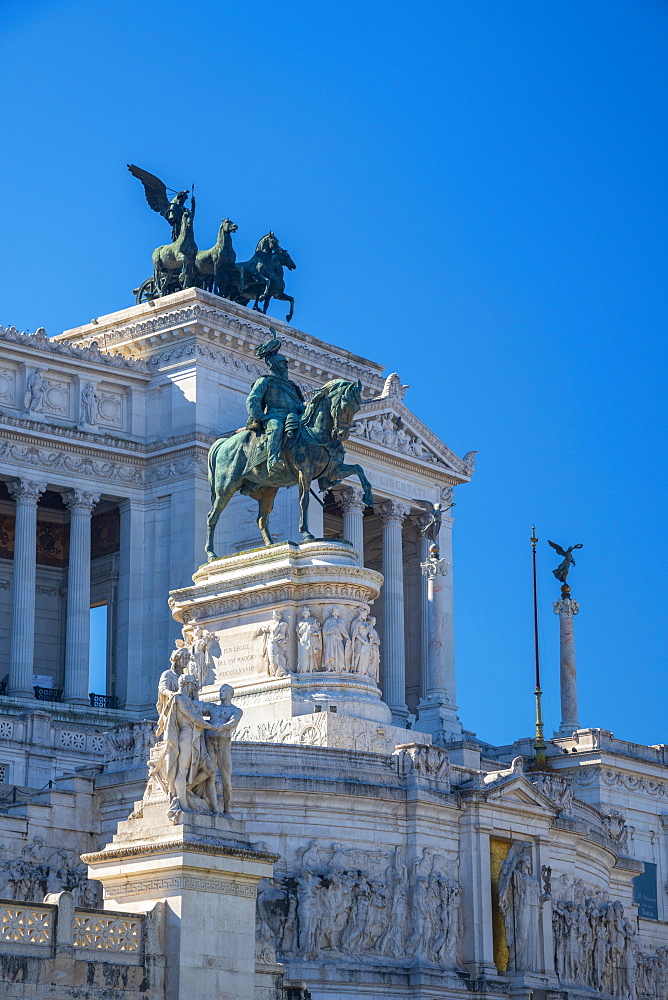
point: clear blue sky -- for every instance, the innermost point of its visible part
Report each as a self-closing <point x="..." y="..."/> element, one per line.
<point x="475" y="195"/>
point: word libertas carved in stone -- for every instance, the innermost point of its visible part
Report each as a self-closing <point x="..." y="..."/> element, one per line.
<point x="180" y="264"/>
<point x="285" y="443"/>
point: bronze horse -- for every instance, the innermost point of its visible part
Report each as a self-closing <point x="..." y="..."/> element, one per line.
<point x="239" y="462"/>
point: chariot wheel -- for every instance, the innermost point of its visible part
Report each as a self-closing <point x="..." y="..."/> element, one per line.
<point x="145" y="292"/>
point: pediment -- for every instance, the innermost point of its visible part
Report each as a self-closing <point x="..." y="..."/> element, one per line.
<point x="518" y="790"/>
<point x="386" y="424"/>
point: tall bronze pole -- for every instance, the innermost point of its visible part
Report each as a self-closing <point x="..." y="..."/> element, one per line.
<point x="539" y="742"/>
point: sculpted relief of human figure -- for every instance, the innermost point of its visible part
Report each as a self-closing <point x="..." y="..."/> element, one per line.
<point x="275" y="647"/>
<point x="310" y="643"/>
<point x="202" y="664"/>
<point x="35" y="390"/>
<point x="88" y="404"/>
<point x="335" y="642"/>
<point x="520" y="903"/>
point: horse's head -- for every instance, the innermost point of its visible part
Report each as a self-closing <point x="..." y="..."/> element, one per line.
<point x="268" y="244"/>
<point x="283" y="258"/>
<point x="332" y="409"/>
<point x="227" y="226"/>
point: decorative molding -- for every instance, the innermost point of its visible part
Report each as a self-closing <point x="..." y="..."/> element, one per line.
<point x="25" y="491"/>
<point x="88" y="352"/>
<point x="167" y="883"/>
<point x="566" y="606"/>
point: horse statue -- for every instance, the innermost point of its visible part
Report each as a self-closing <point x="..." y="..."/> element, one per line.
<point x="313" y="451"/>
<point x="217" y="270"/>
<point x="174" y="264"/>
<point x="263" y="276"/>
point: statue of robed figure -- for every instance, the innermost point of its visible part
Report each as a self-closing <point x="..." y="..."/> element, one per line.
<point x="562" y="570"/>
<point x="285" y="443"/>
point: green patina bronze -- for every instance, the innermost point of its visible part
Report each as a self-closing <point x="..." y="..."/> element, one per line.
<point x="285" y="443"/>
<point x="180" y="264"/>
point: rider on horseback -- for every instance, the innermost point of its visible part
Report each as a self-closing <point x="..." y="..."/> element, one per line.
<point x="275" y="403"/>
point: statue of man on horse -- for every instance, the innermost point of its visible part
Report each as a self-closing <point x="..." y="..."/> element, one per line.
<point x="285" y="443"/>
<point x="274" y="404"/>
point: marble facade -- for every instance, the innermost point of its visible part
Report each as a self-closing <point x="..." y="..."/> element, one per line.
<point x="375" y="848"/>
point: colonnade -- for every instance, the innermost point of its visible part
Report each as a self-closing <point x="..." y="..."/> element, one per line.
<point x="437" y="709"/>
<point x="26" y="494"/>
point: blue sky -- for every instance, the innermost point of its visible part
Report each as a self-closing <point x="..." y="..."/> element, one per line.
<point x="474" y="193"/>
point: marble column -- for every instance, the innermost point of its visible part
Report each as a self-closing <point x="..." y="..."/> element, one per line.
<point x="77" y="639"/>
<point x="392" y="514"/>
<point x="351" y="501"/>
<point x="566" y="608"/>
<point x="423" y="555"/>
<point x="22" y="642"/>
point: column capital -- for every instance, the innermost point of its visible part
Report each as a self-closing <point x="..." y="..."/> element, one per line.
<point x="350" y="499"/>
<point x="434" y="567"/>
<point x="26" y="490"/>
<point x="80" y="502"/>
<point x="566" y="606"/>
<point x="392" y="511"/>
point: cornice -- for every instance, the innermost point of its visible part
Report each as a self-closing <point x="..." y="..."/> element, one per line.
<point x="139" y="330"/>
<point x="179" y="846"/>
<point x="88" y="353"/>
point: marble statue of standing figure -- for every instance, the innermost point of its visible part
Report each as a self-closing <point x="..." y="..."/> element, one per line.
<point x="374" y="650"/>
<point x="185" y="766"/>
<point x="359" y="648"/>
<point x="275" y="649"/>
<point x="225" y="717"/>
<point x="309" y="655"/>
<point x="200" y="649"/>
<point x="35" y="390"/>
<point x="519" y="901"/>
<point x="335" y="640"/>
<point x="169" y="679"/>
<point x="88" y="404"/>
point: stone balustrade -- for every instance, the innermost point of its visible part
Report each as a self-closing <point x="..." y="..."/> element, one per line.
<point x="31" y="928"/>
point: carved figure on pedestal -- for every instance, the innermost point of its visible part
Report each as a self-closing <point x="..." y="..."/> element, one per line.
<point x="374" y="652"/>
<point x="307" y="914"/>
<point x="184" y="765"/>
<point x="335" y="642"/>
<point x="309" y="656"/>
<point x="88" y="404"/>
<point x="225" y="717"/>
<point x="562" y="570"/>
<point x="35" y="389"/>
<point x="202" y="663"/>
<point x="519" y="901"/>
<point x="275" y="648"/>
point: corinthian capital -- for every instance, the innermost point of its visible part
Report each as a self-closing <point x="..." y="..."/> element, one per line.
<point x="393" y="511"/>
<point x="80" y="502"/>
<point x="350" y="499"/>
<point x="566" y="606"/>
<point x="26" y="491"/>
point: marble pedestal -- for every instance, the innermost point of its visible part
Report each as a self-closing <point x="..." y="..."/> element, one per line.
<point x="205" y="872"/>
<point x="236" y="598"/>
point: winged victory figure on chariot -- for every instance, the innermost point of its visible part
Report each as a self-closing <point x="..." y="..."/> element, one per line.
<point x="181" y="264"/>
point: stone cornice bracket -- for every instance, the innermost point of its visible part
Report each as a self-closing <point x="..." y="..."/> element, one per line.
<point x="350" y="499"/>
<point x="393" y="511"/>
<point x="26" y="491"/>
<point x="434" y="567"/>
<point x="566" y="606"/>
<point x="79" y="502"/>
